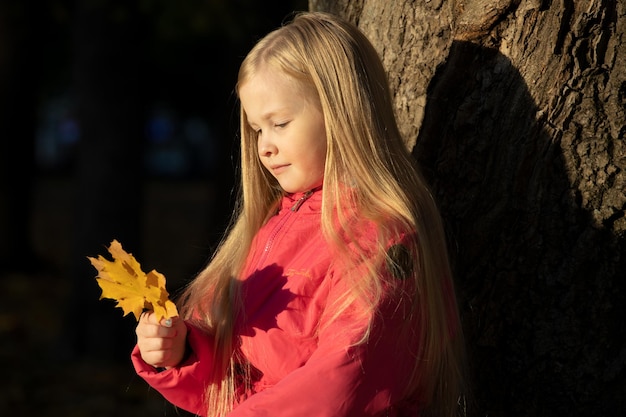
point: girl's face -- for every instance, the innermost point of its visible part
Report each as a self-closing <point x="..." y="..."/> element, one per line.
<point x="291" y="136"/>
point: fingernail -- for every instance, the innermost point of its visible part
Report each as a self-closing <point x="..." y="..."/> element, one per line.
<point x="167" y="323"/>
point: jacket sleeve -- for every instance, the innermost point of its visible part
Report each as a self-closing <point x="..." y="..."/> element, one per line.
<point x="343" y="378"/>
<point x="184" y="385"/>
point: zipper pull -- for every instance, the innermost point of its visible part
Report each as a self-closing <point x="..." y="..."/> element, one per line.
<point x="297" y="204"/>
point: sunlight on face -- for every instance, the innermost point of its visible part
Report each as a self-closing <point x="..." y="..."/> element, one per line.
<point x="291" y="136"/>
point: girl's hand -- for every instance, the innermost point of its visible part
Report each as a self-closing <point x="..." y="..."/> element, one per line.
<point x="163" y="344"/>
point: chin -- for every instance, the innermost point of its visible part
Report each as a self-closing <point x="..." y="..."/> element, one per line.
<point x="293" y="190"/>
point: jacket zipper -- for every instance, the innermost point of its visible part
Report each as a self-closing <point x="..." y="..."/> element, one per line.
<point x="270" y="241"/>
<point x="301" y="200"/>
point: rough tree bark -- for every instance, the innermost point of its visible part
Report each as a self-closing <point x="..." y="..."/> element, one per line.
<point x="516" y="109"/>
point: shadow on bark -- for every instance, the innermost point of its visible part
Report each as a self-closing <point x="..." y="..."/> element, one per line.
<point x="540" y="285"/>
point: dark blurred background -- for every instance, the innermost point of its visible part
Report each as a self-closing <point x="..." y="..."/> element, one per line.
<point x="117" y="121"/>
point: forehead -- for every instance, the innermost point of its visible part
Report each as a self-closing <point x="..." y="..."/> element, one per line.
<point x="268" y="92"/>
<point x="268" y="79"/>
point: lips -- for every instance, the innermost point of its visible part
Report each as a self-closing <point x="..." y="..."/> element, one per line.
<point x="278" y="168"/>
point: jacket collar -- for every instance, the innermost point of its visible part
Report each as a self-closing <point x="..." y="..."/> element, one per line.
<point x="311" y="198"/>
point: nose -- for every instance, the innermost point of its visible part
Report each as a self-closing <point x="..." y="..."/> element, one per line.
<point x="266" y="145"/>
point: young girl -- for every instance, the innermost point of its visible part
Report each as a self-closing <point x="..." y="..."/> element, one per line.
<point x="331" y="295"/>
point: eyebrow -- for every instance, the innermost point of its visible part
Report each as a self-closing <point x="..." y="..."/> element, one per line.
<point x="268" y="115"/>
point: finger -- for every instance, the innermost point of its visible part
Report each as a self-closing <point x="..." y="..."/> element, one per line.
<point x="156" y="344"/>
<point x="147" y="327"/>
<point x="170" y="321"/>
<point x="156" y="358"/>
<point x="155" y="331"/>
<point x="149" y="317"/>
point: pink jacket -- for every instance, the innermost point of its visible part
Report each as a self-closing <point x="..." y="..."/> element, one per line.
<point x="304" y="367"/>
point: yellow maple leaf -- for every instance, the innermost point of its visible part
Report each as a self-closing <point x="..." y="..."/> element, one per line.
<point x="123" y="280"/>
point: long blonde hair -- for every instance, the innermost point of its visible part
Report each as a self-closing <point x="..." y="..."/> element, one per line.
<point x="333" y="60"/>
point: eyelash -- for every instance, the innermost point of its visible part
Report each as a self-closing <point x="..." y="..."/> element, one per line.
<point x="279" y="125"/>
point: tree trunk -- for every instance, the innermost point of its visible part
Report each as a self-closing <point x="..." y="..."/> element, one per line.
<point x="516" y="111"/>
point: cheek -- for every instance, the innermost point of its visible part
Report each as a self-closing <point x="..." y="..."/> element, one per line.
<point x="322" y="157"/>
<point x="319" y="160"/>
